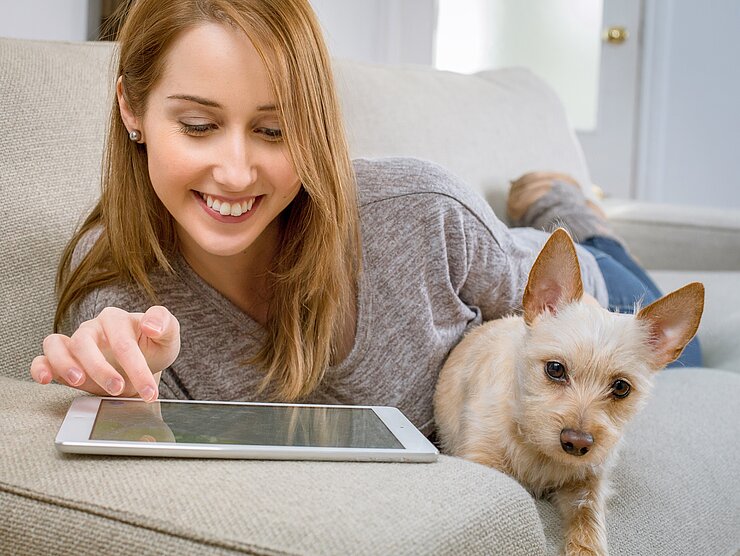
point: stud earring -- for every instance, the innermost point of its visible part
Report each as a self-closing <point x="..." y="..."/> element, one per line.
<point x="134" y="135"/>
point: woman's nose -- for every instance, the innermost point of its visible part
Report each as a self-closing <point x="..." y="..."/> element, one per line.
<point x="235" y="168"/>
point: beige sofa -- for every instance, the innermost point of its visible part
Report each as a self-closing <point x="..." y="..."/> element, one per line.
<point x="677" y="488"/>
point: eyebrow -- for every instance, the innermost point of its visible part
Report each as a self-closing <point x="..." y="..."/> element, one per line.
<point x="214" y="104"/>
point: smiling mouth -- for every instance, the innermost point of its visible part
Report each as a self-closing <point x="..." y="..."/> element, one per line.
<point x="227" y="208"/>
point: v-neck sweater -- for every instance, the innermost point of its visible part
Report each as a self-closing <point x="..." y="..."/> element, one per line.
<point x="436" y="261"/>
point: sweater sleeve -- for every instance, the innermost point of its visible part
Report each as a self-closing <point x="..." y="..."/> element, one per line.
<point x="489" y="263"/>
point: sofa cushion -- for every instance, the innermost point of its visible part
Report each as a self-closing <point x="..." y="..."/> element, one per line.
<point x="489" y="128"/>
<point x="75" y="503"/>
<point x="678" y="237"/>
<point x="675" y="491"/>
<point x="720" y="323"/>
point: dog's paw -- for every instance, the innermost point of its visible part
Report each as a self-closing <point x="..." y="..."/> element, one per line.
<point x="576" y="547"/>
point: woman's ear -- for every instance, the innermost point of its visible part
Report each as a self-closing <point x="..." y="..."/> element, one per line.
<point x="129" y="119"/>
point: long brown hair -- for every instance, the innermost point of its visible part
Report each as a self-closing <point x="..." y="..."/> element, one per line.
<point x="315" y="274"/>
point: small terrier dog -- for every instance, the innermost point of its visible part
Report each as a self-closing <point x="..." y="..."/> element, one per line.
<point x="545" y="396"/>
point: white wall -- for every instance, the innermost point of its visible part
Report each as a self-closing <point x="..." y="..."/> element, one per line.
<point x="62" y="20"/>
<point x="379" y="31"/>
<point x="688" y="138"/>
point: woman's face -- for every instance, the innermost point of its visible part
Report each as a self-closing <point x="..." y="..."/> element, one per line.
<point x="214" y="145"/>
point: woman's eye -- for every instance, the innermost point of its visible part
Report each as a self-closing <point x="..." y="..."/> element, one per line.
<point x="555" y="370"/>
<point x="272" y="134"/>
<point x="621" y="388"/>
<point x="196" y="129"/>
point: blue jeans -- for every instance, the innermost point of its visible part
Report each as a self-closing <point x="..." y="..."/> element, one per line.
<point x="627" y="283"/>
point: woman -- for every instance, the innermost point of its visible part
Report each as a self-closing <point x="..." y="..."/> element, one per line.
<point x="232" y="219"/>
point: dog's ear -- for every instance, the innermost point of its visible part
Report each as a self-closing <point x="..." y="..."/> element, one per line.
<point x="555" y="278"/>
<point x="672" y="321"/>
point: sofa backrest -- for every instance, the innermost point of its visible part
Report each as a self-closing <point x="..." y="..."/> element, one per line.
<point x="488" y="128"/>
<point x="54" y="104"/>
<point x="53" y="109"/>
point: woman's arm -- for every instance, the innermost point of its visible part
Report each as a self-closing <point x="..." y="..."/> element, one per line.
<point x="106" y="350"/>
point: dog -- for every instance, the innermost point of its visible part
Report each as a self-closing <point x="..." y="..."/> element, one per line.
<point x="545" y="396"/>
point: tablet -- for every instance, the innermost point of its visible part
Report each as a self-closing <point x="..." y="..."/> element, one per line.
<point x="241" y="430"/>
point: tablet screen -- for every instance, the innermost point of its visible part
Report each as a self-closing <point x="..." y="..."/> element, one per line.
<point x="263" y="425"/>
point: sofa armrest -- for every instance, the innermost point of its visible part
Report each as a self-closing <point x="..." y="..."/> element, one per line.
<point x="675" y="237"/>
<point x="721" y="319"/>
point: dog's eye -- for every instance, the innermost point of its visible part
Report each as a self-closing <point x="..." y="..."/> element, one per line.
<point x="621" y="389"/>
<point x="555" y="370"/>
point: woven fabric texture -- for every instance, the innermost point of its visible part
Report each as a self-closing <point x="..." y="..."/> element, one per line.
<point x="448" y="507"/>
<point x="488" y="129"/>
<point x="678" y="237"/>
<point x="54" y="108"/>
<point x="675" y="491"/>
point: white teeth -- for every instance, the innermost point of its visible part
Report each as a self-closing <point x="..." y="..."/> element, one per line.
<point x="226" y="208"/>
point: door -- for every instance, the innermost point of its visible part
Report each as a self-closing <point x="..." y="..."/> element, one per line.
<point x="610" y="149"/>
<point x="689" y="116"/>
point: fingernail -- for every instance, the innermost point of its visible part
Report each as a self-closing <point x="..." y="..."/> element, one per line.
<point x="148" y="394"/>
<point x="75" y="376"/>
<point x="114" y="386"/>
<point x="44" y="377"/>
<point x="154" y="326"/>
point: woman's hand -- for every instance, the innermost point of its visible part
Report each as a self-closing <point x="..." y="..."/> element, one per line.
<point x="116" y="353"/>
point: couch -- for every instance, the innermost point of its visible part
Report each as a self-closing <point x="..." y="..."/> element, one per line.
<point x="676" y="485"/>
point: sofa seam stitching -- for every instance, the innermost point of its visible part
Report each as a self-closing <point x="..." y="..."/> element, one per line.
<point x="101" y="511"/>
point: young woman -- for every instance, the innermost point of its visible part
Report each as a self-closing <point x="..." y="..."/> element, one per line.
<point x="236" y="251"/>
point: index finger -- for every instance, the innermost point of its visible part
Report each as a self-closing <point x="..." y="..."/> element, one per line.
<point x="121" y="333"/>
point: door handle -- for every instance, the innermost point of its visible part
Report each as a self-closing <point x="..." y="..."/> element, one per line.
<point x="616" y="35"/>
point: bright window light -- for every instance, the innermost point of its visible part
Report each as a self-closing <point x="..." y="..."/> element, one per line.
<point x="559" y="40"/>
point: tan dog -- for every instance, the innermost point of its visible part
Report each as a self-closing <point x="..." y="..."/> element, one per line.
<point x="545" y="397"/>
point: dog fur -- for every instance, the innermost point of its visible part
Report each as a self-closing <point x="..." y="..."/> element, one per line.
<point x="498" y="404"/>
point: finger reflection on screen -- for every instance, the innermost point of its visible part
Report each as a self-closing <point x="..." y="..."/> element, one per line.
<point x="132" y="421"/>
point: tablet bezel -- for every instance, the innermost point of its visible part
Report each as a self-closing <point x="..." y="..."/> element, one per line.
<point x="74" y="437"/>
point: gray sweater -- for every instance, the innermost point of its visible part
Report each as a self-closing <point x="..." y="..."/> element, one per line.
<point x="436" y="261"/>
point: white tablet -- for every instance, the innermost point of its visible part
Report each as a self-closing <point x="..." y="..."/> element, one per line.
<point x="241" y="430"/>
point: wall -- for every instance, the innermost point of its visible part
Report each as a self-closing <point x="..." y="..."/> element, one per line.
<point x="61" y="20"/>
<point x="687" y="141"/>
<point x="379" y="31"/>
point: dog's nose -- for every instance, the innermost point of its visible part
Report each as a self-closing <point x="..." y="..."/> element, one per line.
<point x="576" y="443"/>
